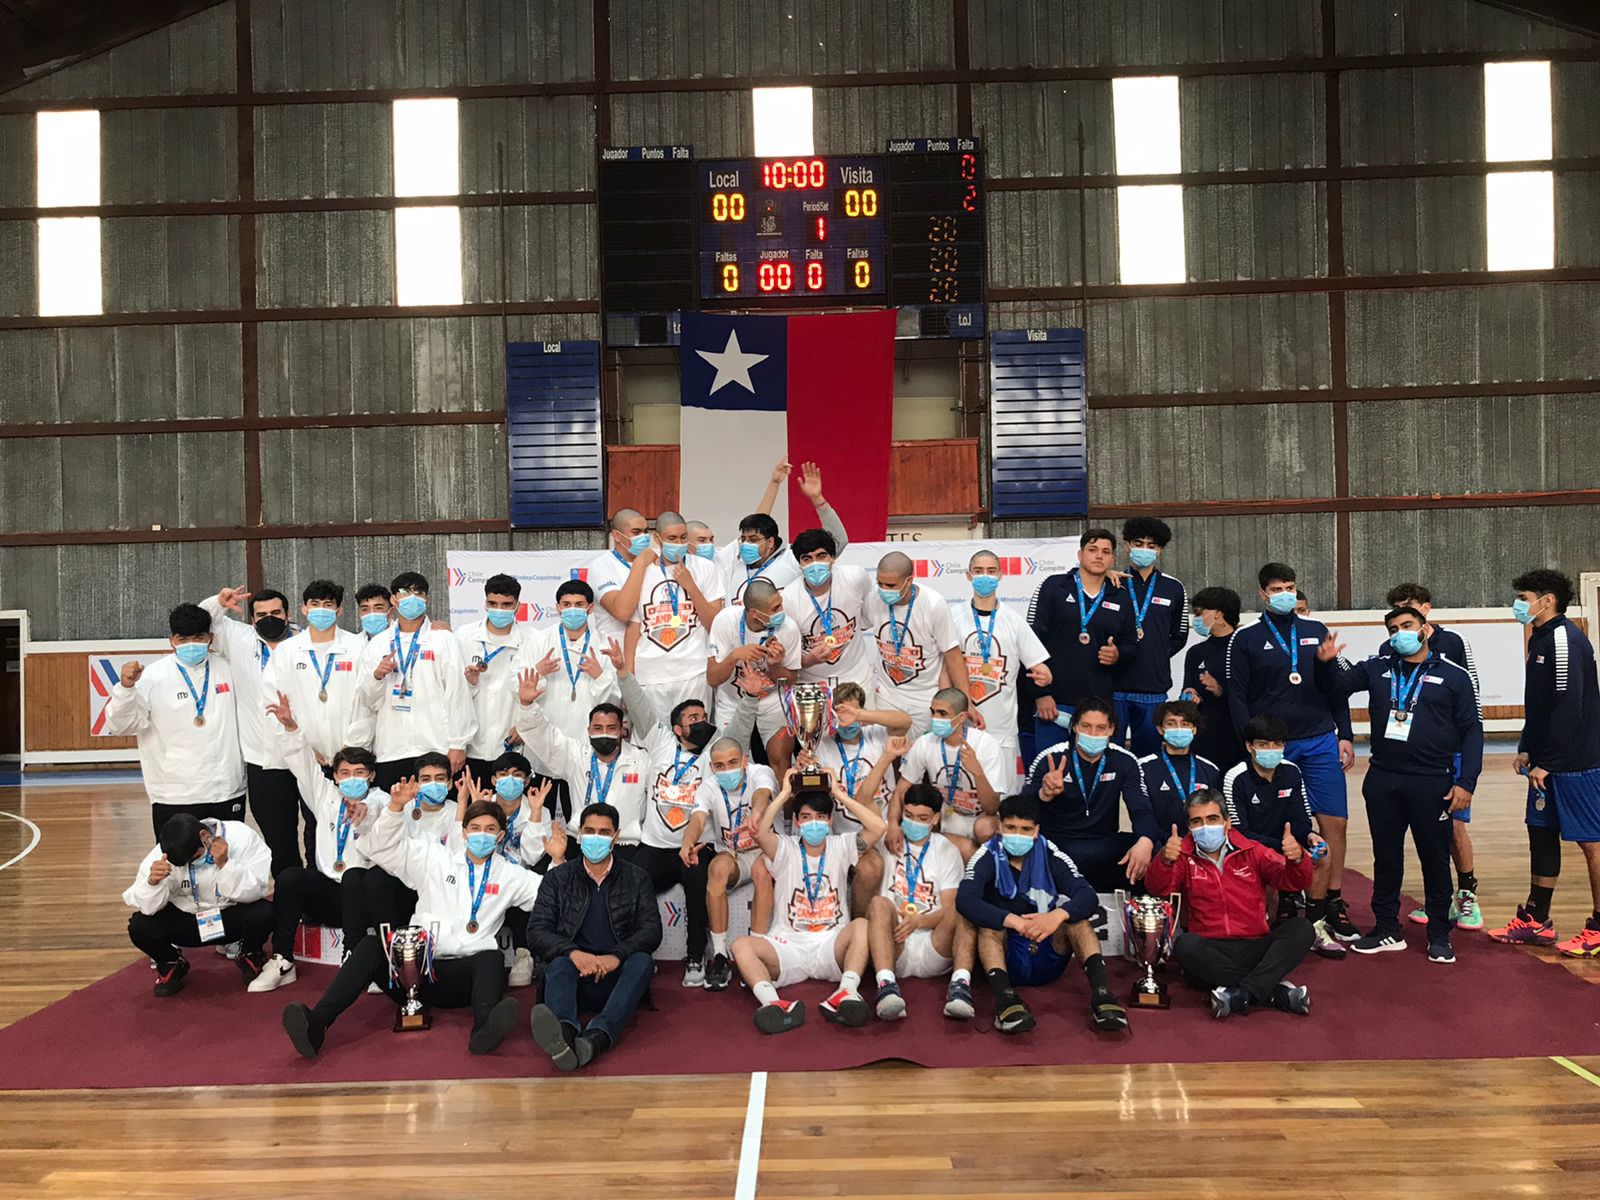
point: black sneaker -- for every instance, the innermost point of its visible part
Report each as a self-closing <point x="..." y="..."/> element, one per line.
<point x="719" y="973"/>
<point x="169" y="979"/>
<point x="588" y="1046"/>
<point x="1288" y="906"/>
<point x="1441" y="951"/>
<point x="780" y="1017"/>
<point x="304" y="1030"/>
<point x="958" y="1004"/>
<point x="1011" y="1015"/>
<point x="486" y="1038"/>
<point x="1339" y="922"/>
<point x="552" y="1037"/>
<point x="1378" y="942"/>
<point x="1229" y="1002"/>
<point x="1292" y="998"/>
<point x="891" y="1003"/>
<point x="250" y="963"/>
<point x="1107" y="1012"/>
<point x="843" y="1008"/>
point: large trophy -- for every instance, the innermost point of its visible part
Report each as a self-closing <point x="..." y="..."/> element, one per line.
<point x="808" y="711"/>
<point x="409" y="951"/>
<point x="1149" y="924"/>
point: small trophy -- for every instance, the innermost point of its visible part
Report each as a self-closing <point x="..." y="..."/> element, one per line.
<point x="808" y="711"/>
<point x="1149" y="925"/>
<point x="410" y="955"/>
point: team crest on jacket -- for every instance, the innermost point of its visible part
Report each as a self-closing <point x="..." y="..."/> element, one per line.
<point x="817" y="640"/>
<point x="664" y="626"/>
<point x="905" y="664"/>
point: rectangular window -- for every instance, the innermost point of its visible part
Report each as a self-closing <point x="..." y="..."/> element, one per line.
<point x="68" y="176"/>
<point x="782" y="121"/>
<point x="1519" y="206"/>
<point x="1150" y="234"/>
<point x="1149" y="217"/>
<point x="1516" y="111"/>
<point x="1144" y="112"/>
<point x="1521" y="220"/>
<point x="427" y="239"/>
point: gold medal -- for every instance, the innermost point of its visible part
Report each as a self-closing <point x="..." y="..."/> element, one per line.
<point x="909" y="909"/>
<point x="199" y="721"/>
<point x="830" y="641"/>
<point x="676" y="621"/>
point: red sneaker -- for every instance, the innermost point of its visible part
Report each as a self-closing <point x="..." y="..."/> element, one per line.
<point x="1585" y="945"/>
<point x="1523" y="930"/>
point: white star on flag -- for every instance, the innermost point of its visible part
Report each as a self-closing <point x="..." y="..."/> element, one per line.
<point x="732" y="364"/>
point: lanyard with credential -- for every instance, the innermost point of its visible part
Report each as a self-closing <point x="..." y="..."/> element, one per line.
<point x="1140" y="607"/>
<point x="323" y="673"/>
<point x="594" y="786"/>
<point x="1292" y="649"/>
<point x="900" y="632"/>
<point x="1077" y="773"/>
<point x="813" y="890"/>
<point x="736" y="811"/>
<point x="194" y="888"/>
<point x="477" y="896"/>
<point x="1086" y="611"/>
<point x="1404" y="693"/>
<point x="409" y="659"/>
<point x="985" y="636"/>
<point x="342" y="835"/>
<point x="1183" y="790"/>
<point x="200" y="696"/>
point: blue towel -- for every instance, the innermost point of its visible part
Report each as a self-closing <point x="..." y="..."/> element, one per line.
<point x="1036" y="880"/>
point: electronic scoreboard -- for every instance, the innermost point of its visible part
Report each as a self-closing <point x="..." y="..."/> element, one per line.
<point x="903" y="229"/>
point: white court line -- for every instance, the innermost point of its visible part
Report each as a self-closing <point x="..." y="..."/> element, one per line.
<point x="28" y="849"/>
<point x="750" y="1147"/>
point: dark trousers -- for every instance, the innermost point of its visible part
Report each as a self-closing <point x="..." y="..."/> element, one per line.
<point x="392" y="772"/>
<point x="160" y="936"/>
<point x="613" y="999"/>
<point x="665" y="868"/>
<point x="477" y="981"/>
<point x="1258" y="965"/>
<point x="304" y="893"/>
<point x="275" y="804"/>
<point x="517" y="927"/>
<point x="385" y="900"/>
<point x="223" y="810"/>
<point x="1396" y="803"/>
<point x="1096" y="859"/>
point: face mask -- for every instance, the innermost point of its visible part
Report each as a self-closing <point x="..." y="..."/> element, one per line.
<point x="1017" y="845"/>
<point x="509" y="787"/>
<point x="817" y="573"/>
<point x="605" y="747"/>
<point x="501" y="618"/>
<point x="272" y="628"/>
<point x="775" y="621"/>
<point x="1143" y="556"/>
<point x="595" y="846"/>
<point x="411" y="607"/>
<point x="706" y="550"/>
<point x="1200" y="624"/>
<point x="1209" y="837"/>
<point x="1064" y="720"/>
<point x="192" y="654"/>
<point x="985" y="585"/>
<point x="890" y="596"/>
<point x="1522" y="611"/>
<point x="674" y="551"/>
<point x="638" y="544"/>
<point x="574" y="618"/>
<point x="915" y="831"/>
<point x="730" y="781"/>
<point x="1179" y="738"/>
<point x="321" y="618"/>
<point x="698" y="735"/>
<point x="851" y="731"/>
<point x="1282" y="603"/>
<point x="372" y="624"/>
<point x="434" y="793"/>
<point x="353" y="788"/>
<point x="1268" y="760"/>
<point x="1093" y="743"/>
<point x="815" y="832"/>
<point x="749" y="553"/>
<point x="1406" y="642"/>
<point x="481" y="845"/>
<point x="941" y="727"/>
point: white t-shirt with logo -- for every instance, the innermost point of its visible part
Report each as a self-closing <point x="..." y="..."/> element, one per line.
<point x="930" y="760"/>
<point x="749" y="678"/>
<point x="826" y="905"/>
<point x="606" y="572"/>
<point x="911" y="649"/>
<point x="780" y="570"/>
<point x="940" y="871"/>
<point x="996" y="655"/>
<point x="864" y="755"/>
<point x="672" y="636"/>
<point x="727" y="810"/>
<point x="837" y="614"/>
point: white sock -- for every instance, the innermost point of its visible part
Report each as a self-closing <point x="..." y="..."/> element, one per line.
<point x="850" y="981"/>
<point x="885" y="977"/>
<point x="962" y="976"/>
<point x="766" y="993"/>
<point x="719" y="942"/>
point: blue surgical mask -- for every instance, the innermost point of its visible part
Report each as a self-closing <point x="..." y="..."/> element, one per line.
<point x="502" y="618"/>
<point x="595" y="846"/>
<point x="1200" y="624"/>
<point x="674" y="551"/>
<point x="817" y="573"/>
<point x="192" y="654"/>
<point x="1143" y="556"/>
<point x="1522" y="611"/>
<point x="510" y="787"/>
<point x="1093" y="743"/>
<point x="481" y="845"/>
<point x="941" y="727"/>
<point x="851" y="731"/>
<point x="353" y="788"/>
<point x="1268" y="760"/>
<point x="434" y="792"/>
<point x="815" y="832"/>
<point x="775" y="621"/>
<point x="372" y="624"/>
<point x="320" y="618"/>
<point x="638" y="544"/>
<point x="985" y="585"/>
<point x="574" y="618"/>
<point x="915" y="831"/>
<point x="1017" y="845"/>
<point x="731" y="781"/>
<point x="1063" y="719"/>
<point x="1209" y="837"/>
<point x="1178" y="738"/>
<point x="750" y="553"/>
<point x="1406" y="642"/>
<point x="706" y="550"/>
<point x="1282" y="603"/>
<point x="411" y="607"/>
<point x="890" y="596"/>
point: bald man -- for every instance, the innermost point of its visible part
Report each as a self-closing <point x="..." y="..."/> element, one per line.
<point x="754" y="649"/>
<point x="667" y="636"/>
<point x="617" y="575"/>
<point x="917" y="643"/>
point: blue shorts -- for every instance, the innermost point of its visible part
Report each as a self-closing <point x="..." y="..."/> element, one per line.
<point x="1570" y="805"/>
<point x="1318" y="760"/>
<point x="1033" y="964"/>
<point x="1465" y="815"/>
<point x="1136" y="721"/>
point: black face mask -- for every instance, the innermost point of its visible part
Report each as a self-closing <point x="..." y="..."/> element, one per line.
<point x="698" y="735"/>
<point x="605" y="747"/>
<point x="271" y="628"/>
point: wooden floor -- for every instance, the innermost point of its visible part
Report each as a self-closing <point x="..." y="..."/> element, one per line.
<point x="1464" y="1128"/>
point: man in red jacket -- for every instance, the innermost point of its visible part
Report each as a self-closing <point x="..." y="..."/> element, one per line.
<point x="1223" y="877"/>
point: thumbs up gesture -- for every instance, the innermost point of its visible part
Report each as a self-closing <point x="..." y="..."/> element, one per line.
<point x="1109" y="653"/>
<point x="1292" y="849"/>
<point x="1172" y="848"/>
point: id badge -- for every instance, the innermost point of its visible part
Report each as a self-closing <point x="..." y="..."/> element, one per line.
<point x="209" y="921"/>
<point x="400" y="700"/>
<point x="1398" y="729"/>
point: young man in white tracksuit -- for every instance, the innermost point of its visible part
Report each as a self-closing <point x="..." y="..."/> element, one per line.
<point x="494" y="650"/>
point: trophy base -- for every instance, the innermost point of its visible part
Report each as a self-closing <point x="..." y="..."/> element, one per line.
<point x="413" y="1022"/>
<point x="1143" y="999"/>
<point x="808" y="779"/>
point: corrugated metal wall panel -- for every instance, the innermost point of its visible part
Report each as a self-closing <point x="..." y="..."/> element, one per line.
<point x="159" y="264"/>
<point x="1244" y="452"/>
<point x="1410" y="225"/>
<point x="716" y="124"/>
<point x="355" y="561"/>
<point x="1511" y="331"/>
<point x="1251" y="122"/>
<point x="322" y="150"/>
<point x="1575" y="116"/>
<point x="168" y="155"/>
<point x="1406" y="115"/>
<point x="1429" y="543"/>
<point x="549" y="144"/>
<point x="860" y="120"/>
<point x="326" y="258"/>
<point x="192" y="55"/>
<point x="1256" y="231"/>
<point x="1428" y="26"/>
<point x="19" y="280"/>
<point x="558" y="539"/>
<point x="1577" y="219"/>
<point x="18" y="150"/>
<point x="127" y="373"/>
<point x="550" y="253"/>
<point x="1033" y="238"/>
<point x="1036" y="529"/>
<point x="1491" y="444"/>
<point x="1228" y="551"/>
<point x="1031" y="129"/>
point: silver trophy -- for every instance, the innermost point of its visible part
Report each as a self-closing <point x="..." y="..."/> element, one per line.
<point x="808" y="712"/>
<point x="1149" y="924"/>
<point x="409" y="951"/>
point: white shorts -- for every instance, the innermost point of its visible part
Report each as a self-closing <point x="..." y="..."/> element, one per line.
<point x="1012" y="779"/>
<point x="919" y="960"/>
<point x="665" y="695"/>
<point x="803" y="956"/>
<point x="956" y="824"/>
<point x="744" y="865"/>
<point x="770" y="720"/>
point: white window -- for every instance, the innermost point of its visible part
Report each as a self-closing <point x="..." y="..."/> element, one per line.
<point x="427" y="239"/>
<point x="1150" y="234"/>
<point x="1516" y="111"/>
<point x="1144" y="112"/>
<point x="1519" y="206"/>
<point x="1149" y="217"/>
<point x="68" y="176"/>
<point x="782" y="121"/>
<point x="1521" y="220"/>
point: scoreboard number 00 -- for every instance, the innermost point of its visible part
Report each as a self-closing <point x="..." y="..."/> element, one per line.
<point x="727" y="206"/>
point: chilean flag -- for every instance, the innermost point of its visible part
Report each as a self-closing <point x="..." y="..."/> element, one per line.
<point x="810" y="388"/>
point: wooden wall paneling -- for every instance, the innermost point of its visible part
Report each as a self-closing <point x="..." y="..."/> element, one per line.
<point x="56" y="703"/>
<point x="936" y="477"/>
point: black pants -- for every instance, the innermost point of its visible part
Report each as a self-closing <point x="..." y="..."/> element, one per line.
<point x="275" y="804"/>
<point x="1258" y="965"/>
<point x="393" y="771"/>
<point x="517" y="926"/>
<point x="304" y="893"/>
<point x="1096" y="859"/>
<point x="385" y="900"/>
<point x="160" y="936"/>
<point x="665" y="868"/>
<point x="225" y="810"/>
<point x="1394" y="804"/>
<point x="477" y="981"/>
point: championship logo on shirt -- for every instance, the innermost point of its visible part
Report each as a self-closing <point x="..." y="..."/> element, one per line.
<point x="987" y="679"/>
<point x="665" y="626"/>
<point x="827" y="646"/>
<point x="753" y="679"/>
<point x="964" y="799"/>
<point x="863" y="768"/>
<point x="926" y="898"/>
<point x="739" y="837"/>
<point x="675" y="801"/>
<point x="905" y="664"/>
<point x="815" y="917"/>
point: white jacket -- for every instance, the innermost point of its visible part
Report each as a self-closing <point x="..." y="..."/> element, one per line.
<point x="494" y="696"/>
<point x="249" y="658"/>
<point x="292" y="672"/>
<point x="323" y="798"/>
<point x="568" y="702"/>
<point x="183" y="763"/>
<point x="569" y="759"/>
<point x="440" y="715"/>
<point x="243" y="879"/>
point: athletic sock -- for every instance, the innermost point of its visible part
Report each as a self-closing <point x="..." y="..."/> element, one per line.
<point x="850" y="981"/>
<point x="1539" y="902"/>
<point x="885" y="977"/>
<point x="961" y="976"/>
<point x="1095" y="968"/>
<point x="1594" y="921"/>
<point x="766" y="992"/>
<point x="1468" y="881"/>
<point x="999" y="982"/>
<point x="1333" y="894"/>
<point x="1316" y="909"/>
<point x="719" y="942"/>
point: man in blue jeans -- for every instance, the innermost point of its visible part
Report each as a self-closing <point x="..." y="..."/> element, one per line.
<point x="594" y="925"/>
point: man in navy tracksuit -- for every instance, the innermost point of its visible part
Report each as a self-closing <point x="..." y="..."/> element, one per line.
<point x="1086" y="623"/>
<point x="1424" y="713"/>
<point x="1216" y="616"/>
<point x="1161" y="629"/>
<point x="1273" y="669"/>
<point x="1175" y="772"/>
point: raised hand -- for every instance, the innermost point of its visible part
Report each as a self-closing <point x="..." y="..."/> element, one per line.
<point x="846" y="712"/>
<point x="1209" y="682"/>
<point x="548" y="665"/>
<point x="811" y="482"/>
<point x="1292" y="849"/>
<point x="384" y="668"/>
<point x="1172" y="848"/>
<point x="590" y="665"/>
<point x="555" y="843"/>
<point x="898" y="746"/>
<point x="681" y="574"/>
<point x="529" y="688"/>
<point x="219" y="851"/>
<point x="1330" y="649"/>
<point x="1055" y="777"/>
<point x="1109" y="653"/>
<point x="614" y="655"/>
<point x="542" y="793"/>
<point x="774" y="650"/>
<point x="131" y="671"/>
<point x="1039" y="673"/>
<point x="781" y="471"/>
<point x="403" y="793"/>
<point x="233" y="598"/>
<point x="285" y="714"/>
<point x="356" y="811"/>
<point x="159" y="870"/>
<point x="969" y="759"/>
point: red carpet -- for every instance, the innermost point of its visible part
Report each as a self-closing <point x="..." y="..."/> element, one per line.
<point x="1494" y="1002"/>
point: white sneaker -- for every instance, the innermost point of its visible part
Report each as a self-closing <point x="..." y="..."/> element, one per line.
<point x="279" y="972"/>
<point x="694" y="974"/>
<point x="521" y="970"/>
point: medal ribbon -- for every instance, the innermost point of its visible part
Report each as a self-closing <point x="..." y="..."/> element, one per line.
<point x="1086" y="611"/>
<point x="1142" y="607"/>
<point x="566" y="659"/>
<point x="824" y="614"/>
<point x="913" y="875"/>
<point x="679" y="772"/>
<point x="1403" y="694"/>
<point x="1293" y="648"/>
<point x="472" y="881"/>
<point x="672" y="588"/>
<point x="900" y="632"/>
<point x="955" y="770"/>
<point x="343" y="834"/>
<point x="603" y="789"/>
<point x="1173" y="771"/>
<point x="851" y="765"/>
<point x="490" y="655"/>
<point x="985" y="636"/>
<point x="202" y="696"/>
<point x="323" y="674"/>
<point x="1077" y="773"/>
<point x="409" y="659"/>
<point x="813" y="891"/>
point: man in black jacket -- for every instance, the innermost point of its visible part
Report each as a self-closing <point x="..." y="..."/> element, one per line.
<point x="594" y="925"/>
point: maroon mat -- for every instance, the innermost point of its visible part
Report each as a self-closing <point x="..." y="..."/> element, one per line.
<point x="1494" y="1002"/>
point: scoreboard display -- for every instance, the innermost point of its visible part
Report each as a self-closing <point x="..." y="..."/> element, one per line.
<point x="903" y="229"/>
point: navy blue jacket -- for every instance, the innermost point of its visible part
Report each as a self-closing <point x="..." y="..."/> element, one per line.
<point x="979" y="901"/>
<point x="1148" y="670"/>
<point x="1259" y="808"/>
<point x="1075" y="670"/>
<point x="1258" y="677"/>
<point x="1169" y="803"/>
<point x="1446" y="643"/>
<point x="1444" y="716"/>
<point x="1561" y="700"/>
<point x="1068" y="816"/>
<point x="1218" y="740"/>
